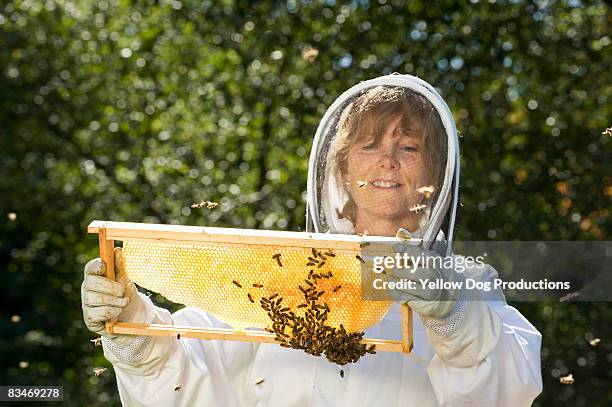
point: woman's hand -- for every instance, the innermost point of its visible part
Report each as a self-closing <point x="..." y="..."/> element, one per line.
<point x="103" y="299"/>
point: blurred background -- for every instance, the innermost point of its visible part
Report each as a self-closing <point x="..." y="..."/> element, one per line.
<point x="133" y="110"/>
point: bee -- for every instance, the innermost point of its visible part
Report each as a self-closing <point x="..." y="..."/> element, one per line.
<point x="97" y="341"/>
<point x="607" y="131"/>
<point x="257" y="285"/>
<point x="361" y="184"/>
<point x="338" y="287"/>
<point x="197" y="205"/>
<point x="417" y="208"/>
<point x="273" y="296"/>
<point x="360" y="259"/>
<point x="308" y="282"/>
<point x="569" y="379"/>
<point x="315" y="253"/>
<point x="211" y="205"/>
<point x="285" y="309"/>
<point x="310" y="259"/>
<point x="594" y="342"/>
<point x="178" y="336"/>
<point x="259" y="380"/>
<point x="250" y="298"/>
<point x="342" y="373"/>
<point x="237" y="284"/>
<point x="178" y="387"/>
<point x="364" y="244"/>
<point x="330" y="253"/>
<point x="403" y="234"/>
<point x="277" y="257"/>
<point x="310" y="263"/>
<point x="302" y="305"/>
<point x="569" y="296"/>
<point x="98" y="371"/>
<point x="426" y="191"/>
<point x="321" y="264"/>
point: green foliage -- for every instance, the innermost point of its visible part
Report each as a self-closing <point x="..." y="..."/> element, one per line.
<point x="133" y="110"/>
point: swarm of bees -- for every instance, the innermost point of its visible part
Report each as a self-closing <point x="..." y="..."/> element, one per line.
<point x="310" y="332"/>
<point x="208" y="204"/>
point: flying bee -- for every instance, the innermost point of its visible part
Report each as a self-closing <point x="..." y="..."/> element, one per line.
<point x="211" y="205"/>
<point x="364" y="244"/>
<point x="360" y="259"/>
<point x="426" y="191"/>
<point x="361" y="184"/>
<point x="98" y="371"/>
<point x="178" y="336"/>
<point x="259" y="380"/>
<point x="569" y="379"/>
<point x="257" y="285"/>
<point x="338" y="287"/>
<point x="251" y="298"/>
<point x="417" y="208"/>
<point x="178" y="387"/>
<point x="237" y="284"/>
<point x="277" y="257"/>
<point x="342" y="373"/>
<point x="403" y="234"/>
<point x="594" y="342"/>
<point x="197" y="205"/>
<point x="97" y="341"/>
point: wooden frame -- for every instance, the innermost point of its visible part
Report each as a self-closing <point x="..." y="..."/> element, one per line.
<point x="108" y="232"/>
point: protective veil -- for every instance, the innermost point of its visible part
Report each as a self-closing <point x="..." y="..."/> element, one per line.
<point x="481" y="353"/>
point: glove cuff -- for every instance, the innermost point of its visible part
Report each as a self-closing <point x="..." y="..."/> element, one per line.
<point x="446" y="326"/>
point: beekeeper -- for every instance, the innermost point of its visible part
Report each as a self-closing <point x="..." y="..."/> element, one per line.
<point x="385" y="156"/>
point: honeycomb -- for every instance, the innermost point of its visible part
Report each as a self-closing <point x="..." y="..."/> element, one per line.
<point x="204" y="275"/>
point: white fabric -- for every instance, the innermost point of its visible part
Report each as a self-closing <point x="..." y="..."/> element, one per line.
<point x="497" y="364"/>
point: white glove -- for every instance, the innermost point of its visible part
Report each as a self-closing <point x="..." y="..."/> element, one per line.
<point x="103" y="299"/>
<point x="427" y="302"/>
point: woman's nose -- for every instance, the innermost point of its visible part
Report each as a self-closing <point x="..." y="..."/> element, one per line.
<point x="388" y="160"/>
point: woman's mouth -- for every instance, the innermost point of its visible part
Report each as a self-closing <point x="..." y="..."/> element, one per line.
<point x="385" y="184"/>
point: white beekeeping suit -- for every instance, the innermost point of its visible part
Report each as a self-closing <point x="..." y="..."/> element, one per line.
<point x="475" y="353"/>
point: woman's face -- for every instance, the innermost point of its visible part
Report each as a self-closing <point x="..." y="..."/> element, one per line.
<point x="393" y="168"/>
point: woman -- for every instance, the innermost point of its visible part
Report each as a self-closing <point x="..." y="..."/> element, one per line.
<point x="385" y="157"/>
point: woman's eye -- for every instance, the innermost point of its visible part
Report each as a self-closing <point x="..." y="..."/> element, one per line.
<point x="408" y="148"/>
<point x="368" y="146"/>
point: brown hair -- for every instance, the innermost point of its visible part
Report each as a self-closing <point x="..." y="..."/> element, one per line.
<point x="370" y="114"/>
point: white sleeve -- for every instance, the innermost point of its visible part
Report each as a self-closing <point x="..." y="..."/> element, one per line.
<point x="148" y="369"/>
<point x="491" y="358"/>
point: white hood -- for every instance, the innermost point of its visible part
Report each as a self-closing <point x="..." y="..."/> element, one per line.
<point x="323" y="190"/>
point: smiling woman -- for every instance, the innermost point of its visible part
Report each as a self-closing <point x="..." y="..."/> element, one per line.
<point x="389" y="144"/>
